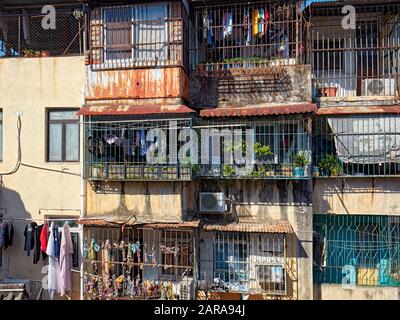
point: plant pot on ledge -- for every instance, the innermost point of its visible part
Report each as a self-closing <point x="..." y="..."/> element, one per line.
<point x="330" y="91"/>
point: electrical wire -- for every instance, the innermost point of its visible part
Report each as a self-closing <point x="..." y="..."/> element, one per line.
<point x="19" y="157"/>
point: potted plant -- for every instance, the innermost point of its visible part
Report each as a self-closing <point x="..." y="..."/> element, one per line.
<point x="300" y="161"/>
<point x="228" y="171"/>
<point x="98" y="170"/>
<point x="330" y="165"/>
<point x="330" y="91"/>
<point x="315" y="172"/>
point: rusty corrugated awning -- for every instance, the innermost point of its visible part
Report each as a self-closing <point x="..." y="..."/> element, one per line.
<point x="251" y="227"/>
<point x="358" y="110"/>
<point x="101" y="222"/>
<point x="132" y="110"/>
<point x="261" y="110"/>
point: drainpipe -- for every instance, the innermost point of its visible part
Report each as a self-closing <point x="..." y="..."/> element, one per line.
<point x="83" y="210"/>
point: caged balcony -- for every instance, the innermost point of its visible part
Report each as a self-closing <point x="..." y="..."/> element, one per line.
<point x="357" y="145"/>
<point x="117" y="149"/>
<point x="361" y="62"/>
<point x="281" y="149"/>
<point x="138" y="36"/>
<point x="255" y="37"/>
<point x="22" y="34"/>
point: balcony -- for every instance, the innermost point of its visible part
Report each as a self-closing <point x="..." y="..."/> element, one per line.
<point x="357" y="146"/>
<point x="356" y="65"/>
<point x="22" y="34"/>
<point x="122" y="148"/>
<point x="274" y="148"/>
<point x="138" y="36"/>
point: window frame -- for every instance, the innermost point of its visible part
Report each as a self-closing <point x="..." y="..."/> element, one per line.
<point x="63" y="123"/>
<point x="134" y="59"/>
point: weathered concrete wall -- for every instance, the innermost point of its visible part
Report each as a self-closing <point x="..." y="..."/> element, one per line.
<point x="294" y="85"/>
<point x="254" y="201"/>
<point x="337" y="292"/>
<point x="380" y="196"/>
<point x="30" y="86"/>
<point x="137" y="84"/>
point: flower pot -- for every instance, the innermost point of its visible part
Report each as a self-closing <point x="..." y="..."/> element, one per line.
<point x="45" y="54"/>
<point x="298" y="172"/>
<point x="315" y="172"/>
<point x="330" y="92"/>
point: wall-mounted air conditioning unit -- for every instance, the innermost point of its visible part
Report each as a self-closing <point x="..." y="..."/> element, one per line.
<point x="212" y="202"/>
<point x="379" y="87"/>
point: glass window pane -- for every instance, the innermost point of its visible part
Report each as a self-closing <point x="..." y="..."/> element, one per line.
<point x="72" y="142"/>
<point x="63" y="115"/>
<point x="55" y="142"/>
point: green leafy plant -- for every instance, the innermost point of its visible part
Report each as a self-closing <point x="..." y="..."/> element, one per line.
<point x="300" y="159"/>
<point x="196" y="168"/>
<point x="228" y="170"/>
<point x="262" y="150"/>
<point x="331" y="164"/>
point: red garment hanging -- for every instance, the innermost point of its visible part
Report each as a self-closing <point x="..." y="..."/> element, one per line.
<point x="44" y="236"/>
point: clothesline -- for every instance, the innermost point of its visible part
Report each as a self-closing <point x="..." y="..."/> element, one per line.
<point x="41" y="220"/>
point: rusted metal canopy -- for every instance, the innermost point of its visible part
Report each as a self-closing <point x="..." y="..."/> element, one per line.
<point x="282" y="227"/>
<point x="261" y="110"/>
<point x="102" y="222"/>
<point x="358" y="110"/>
<point x="133" y="110"/>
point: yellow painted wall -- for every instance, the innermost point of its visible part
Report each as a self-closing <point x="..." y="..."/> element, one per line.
<point x="30" y="85"/>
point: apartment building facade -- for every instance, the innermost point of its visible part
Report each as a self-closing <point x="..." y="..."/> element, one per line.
<point x="170" y="200"/>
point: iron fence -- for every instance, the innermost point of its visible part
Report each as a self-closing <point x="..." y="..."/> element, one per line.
<point x="281" y="148"/>
<point x="23" y="35"/>
<point x="138" y="263"/>
<point x="248" y="263"/>
<point x="117" y="149"/>
<point x="357" y="250"/>
<point x="249" y="35"/>
<point x="357" y="145"/>
<point x="364" y="61"/>
<point x="140" y="35"/>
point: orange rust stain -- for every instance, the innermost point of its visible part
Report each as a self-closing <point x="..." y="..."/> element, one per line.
<point x="140" y="83"/>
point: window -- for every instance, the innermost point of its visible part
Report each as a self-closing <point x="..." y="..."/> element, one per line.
<point x="74" y="229"/>
<point x="136" y="33"/>
<point x="1" y="135"/>
<point x="63" y="135"/>
<point x="329" y="54"/>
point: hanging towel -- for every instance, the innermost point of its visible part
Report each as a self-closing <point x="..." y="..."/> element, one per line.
<point x="210" y="32"/>
<point x="29" y="238"/>
<point x="66" y="251"/>
<point x="44" y="235"/>
<point x="266" y="20"/>
<point x="205" y="24"/>
<point x="143" y="143"/>
<point x="247" y="26"/>
<point x="254" y="21"/>
<point x="8" y="234"/>
<point x="56" y="239"/>
<point x="261" y="22"/>
<point x="227" y="22"/>
<point x="37" y="247"/>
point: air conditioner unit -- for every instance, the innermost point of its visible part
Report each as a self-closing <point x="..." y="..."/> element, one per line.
<point x="379" y="87"/>
<point x="212" y="202"/>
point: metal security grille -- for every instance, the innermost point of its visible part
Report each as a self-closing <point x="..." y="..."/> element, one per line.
<point x="364" y="61"/>
<point x="23" y="35"/>
<point x="138" y="263"/>
<point x="360" y="145"/>
<point x="357" y="250"/>
<point x="117" y="149"/>
<point x="245" y="34"/>
<point x="140" y="35"/>
<point x="278" y="143"/>
<point x="252" y="263"/>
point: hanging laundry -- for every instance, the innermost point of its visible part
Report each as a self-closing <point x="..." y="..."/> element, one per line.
<point x="66" y="251"/>
<point x="143" y="143"/>
<point x="210" y="32"/>
<point x="247" y="26"/>
<point x="8" y="234"/>
<point x="56" y="239"/>
<point x="1" y="243"/>
<point x="227" y="23"/>
<point x="43" y="239"/>
<point x="254" y="21"/>
<point x="29" y="243"/>
<point x="261" y="22"/>
<point x="54" y="267"/>
<point x="266" y="20"/>
<point x="205" y="24"/>
<point x="37" y="247"/>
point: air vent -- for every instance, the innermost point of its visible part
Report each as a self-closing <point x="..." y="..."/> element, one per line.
<point x="378" y="87"/>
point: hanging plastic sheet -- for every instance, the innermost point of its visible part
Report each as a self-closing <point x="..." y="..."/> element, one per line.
<point x="367" y="140"/>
